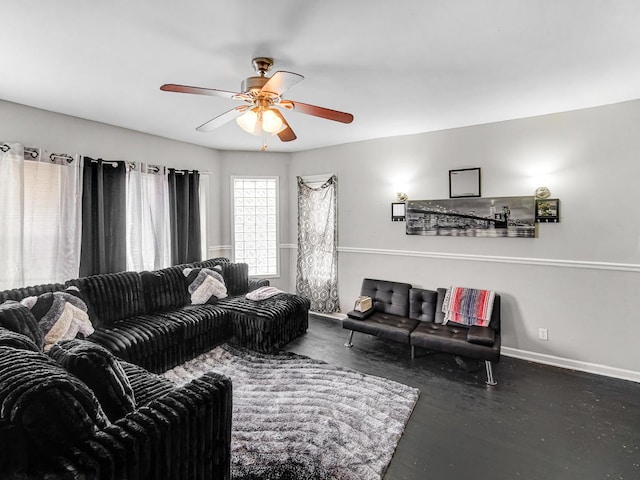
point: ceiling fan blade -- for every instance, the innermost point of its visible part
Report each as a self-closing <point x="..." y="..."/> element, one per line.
<point x="172" y="87"/>
<point x="281" y="81"/>
<point x="286" y="134"/>
<point x="221" y="119"/>
<point x="319" y="111"/>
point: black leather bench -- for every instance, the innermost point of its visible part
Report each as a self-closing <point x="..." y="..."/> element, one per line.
<point x="414" y="316"/>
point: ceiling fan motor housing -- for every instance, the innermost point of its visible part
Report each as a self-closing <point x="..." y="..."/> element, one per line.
<point x="253" y="84"/>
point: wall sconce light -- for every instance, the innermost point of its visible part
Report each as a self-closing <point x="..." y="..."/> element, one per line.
<point x="542" y="192"/>
<point x="402" y="197"/>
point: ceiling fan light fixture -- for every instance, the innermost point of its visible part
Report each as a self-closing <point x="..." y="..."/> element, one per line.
<point x="271" y="123"/>
<point x="248" y="121"/>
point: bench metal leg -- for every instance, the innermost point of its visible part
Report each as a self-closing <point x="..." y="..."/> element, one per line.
<point x="490" y="380"/>
<point x="413" y="351"/>
<point x="349" y="344"/>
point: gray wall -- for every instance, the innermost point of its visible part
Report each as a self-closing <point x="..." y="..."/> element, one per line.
<point x="64" y="134"/>
<point x="579" y="279"/>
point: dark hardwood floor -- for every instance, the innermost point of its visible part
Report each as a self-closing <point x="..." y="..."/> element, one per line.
<point x="539" y="422"/>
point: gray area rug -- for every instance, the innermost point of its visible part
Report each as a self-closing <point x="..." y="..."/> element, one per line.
<point x="299" y="418"/>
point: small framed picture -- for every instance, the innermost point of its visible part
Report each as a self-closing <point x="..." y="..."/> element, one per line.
<point x="398" y="211"/>
<point x="548" y="210"/>
<point x="464" y="183"/>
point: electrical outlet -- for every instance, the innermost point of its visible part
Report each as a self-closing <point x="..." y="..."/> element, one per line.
<point x="542" y="334"/>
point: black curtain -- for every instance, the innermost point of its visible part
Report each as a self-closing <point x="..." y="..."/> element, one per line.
<point x="184" y="206"/>
<point x="103" y="217"/>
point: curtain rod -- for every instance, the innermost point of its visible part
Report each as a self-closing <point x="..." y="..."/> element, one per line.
<point x="32" y="152"/>
<point x="182" y="172"/>
<point x="35" y="153"/>
<point x="114" y="163"/>
<point x="61" y="156"/>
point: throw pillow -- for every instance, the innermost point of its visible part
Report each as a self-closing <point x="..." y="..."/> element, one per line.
<point x="100" y="371"/>
<point x="205" y="285"/>
<point x="19" y="319"/>
<point x="60" y="315"/>
<point x="262" y="293"/>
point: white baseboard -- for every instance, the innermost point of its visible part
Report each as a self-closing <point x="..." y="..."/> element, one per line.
<point x="571" y="364"/>
<point x="552" y="360"/>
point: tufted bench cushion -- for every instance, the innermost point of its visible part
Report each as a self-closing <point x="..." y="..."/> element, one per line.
<point x="387" y="297"/>
<point x="452" y="339"/>
<point x="383" y="325"/>
<point x="389" y="317"/>
<point x="422" y="305"/>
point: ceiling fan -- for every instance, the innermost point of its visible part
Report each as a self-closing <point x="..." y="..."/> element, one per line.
<point x="262" y="96"/>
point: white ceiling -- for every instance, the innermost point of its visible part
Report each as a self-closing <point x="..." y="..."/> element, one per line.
<point x="400" y="66"/>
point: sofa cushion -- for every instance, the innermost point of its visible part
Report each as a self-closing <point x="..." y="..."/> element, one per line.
<point x="392" y="327"/>
<point x="205" y="285"/>
<point x="164" y="289"/>
<point x="165" y="339"/>
<point x="388" y="297"/>
<point x="9" y="338"/>
<point x="100" y="371"/>
<point x="60" y="315"/>
<point x="111" y="296"/>
<point x="212" y="262"/>
<point x="439" y="313"/>
<point x="18" y="318"/>
<point x="422" y="304"/>
<point x="236" y="277"/>
<point x="453" y="339"/>
<point x="50" y="408"/>
<point x="22" y="292"/>
<point x="146" y="386"/>
<point x="481" y="335"/>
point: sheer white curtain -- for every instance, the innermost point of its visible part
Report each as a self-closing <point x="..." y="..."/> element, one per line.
<point x="148" y="223"/>
<point x="40" y="205"/>
<point x="11" y="215"/>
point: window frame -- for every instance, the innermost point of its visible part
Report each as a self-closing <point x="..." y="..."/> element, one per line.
<point x="232" y="222"/>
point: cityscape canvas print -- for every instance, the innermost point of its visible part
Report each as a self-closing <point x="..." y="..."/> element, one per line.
<point x="473" y="217"/>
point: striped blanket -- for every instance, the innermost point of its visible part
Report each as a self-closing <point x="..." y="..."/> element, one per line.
<point x="468" y="306"/>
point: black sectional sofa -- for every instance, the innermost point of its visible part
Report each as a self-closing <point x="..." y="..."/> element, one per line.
<point x="414" y="316"/>
<point x="57" y="416"/>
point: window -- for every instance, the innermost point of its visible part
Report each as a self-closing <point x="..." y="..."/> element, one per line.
<point x="255" y="224"/>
